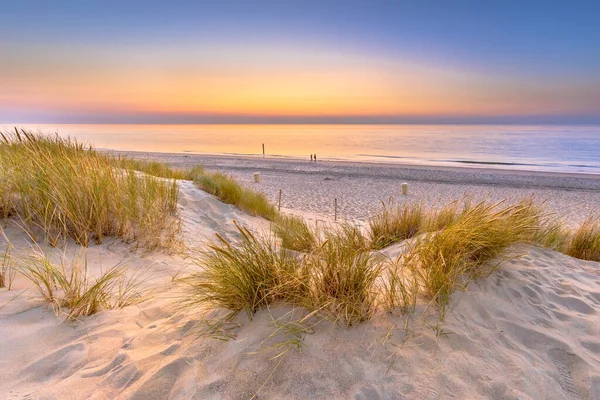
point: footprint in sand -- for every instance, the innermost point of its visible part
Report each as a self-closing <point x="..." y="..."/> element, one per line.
<point x="566" y="364"/>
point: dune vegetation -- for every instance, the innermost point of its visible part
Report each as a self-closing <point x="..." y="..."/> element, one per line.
<point x="229" y="191"/>
<point x="585" y="243"/>
<point x="395" y="223"/>
<point x="339" y="273"/>
<point x="70" y="290"/>
<point x="294" y="232"/>
<point x="58" y="188"/>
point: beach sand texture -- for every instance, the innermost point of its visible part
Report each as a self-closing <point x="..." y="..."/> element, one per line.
<point x="529" y="331"/>
<point x="309" y="188"/>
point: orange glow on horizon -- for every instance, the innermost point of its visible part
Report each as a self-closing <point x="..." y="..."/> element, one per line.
<point x="324" y="85"/>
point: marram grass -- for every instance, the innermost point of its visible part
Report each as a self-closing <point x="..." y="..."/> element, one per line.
<point x="246" y="277"/>
<point x="228" y="190"/>
<point x="338" y="275"/>
<point x="468" y="248"/>
<point x="68" y="287"/>
<point x="395" y="223"/>
<point x="295" y="234"/>
<point x="62" y="189"/>
<point x="585" y="243"/>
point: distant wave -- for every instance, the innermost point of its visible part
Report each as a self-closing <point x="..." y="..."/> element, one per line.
<point x="537" y="166"/>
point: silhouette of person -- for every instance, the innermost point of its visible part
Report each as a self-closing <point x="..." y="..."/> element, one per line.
<point x="311" y="157"/>
<point x="315" y="158"/>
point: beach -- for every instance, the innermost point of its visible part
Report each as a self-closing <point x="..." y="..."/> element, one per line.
<point x="310" y="188"/>
<point x="528" y="331"/>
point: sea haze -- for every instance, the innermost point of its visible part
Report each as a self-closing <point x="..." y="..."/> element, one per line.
<point x="560" y="148"/>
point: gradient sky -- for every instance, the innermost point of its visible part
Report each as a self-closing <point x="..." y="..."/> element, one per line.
<point x="421" y="61"/>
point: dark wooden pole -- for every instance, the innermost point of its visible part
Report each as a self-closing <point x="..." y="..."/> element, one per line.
<point x="279" y="206"/>
<point x="335" y="209"/>
<point x="263" y="150"/>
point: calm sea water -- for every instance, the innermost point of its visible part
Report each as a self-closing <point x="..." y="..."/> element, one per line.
<point x="547" y="148"/>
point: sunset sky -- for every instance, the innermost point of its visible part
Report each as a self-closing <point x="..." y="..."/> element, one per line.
<point x="323" y="61"/>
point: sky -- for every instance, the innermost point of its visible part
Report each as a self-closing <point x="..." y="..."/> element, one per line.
<point x="401" y="61"/>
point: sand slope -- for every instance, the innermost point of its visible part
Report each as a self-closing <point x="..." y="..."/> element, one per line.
<point x="530" y="331"/>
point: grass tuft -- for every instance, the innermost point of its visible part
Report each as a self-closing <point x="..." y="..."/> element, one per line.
<point x="344" y="278"/>
<point x="585" y="243"/>
<point x="70" y="289"/>
<point x="394" y="224"/>
<point x="247" y="277"/>
<point x="294" y="232"/>
<point x="448" y="259"/>
<point x="152" y="168"/>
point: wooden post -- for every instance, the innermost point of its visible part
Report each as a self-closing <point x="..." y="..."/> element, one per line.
<point x="404" y="188"/>
<point x="335" y="209"/>
<point x="279" y="206"/>
<point x="263" y="150"/>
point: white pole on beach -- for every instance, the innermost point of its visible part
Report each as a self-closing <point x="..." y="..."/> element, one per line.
<point x="404" y="189"/>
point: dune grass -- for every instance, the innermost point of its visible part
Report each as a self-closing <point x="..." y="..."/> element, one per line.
<point x="395" y="223"/>
<point x="344" y="277"/>
<point x="443" y="217"/>
<point x="62" y="189"/>
<point x="447" y="259"/>
<point x="340" y="276"/>
<point x="70" y="289"/>
<point x="153" y="168"/>
<point x="585" y="242"/>
<point x="228" y="190"/>
<point x="7" y="269"/>
<point x="294" y="232"/>
<point x="335" y="278"/>
<point x="247" y="277"/>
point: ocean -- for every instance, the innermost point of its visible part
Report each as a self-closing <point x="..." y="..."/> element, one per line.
<point x="559" y="148"/>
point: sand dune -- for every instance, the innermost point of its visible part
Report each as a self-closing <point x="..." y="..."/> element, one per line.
<point x="529" y="331"/>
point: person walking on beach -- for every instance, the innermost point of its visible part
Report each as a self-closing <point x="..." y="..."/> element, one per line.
<point x="315" y="157"/>
<point x="311" y="157"/>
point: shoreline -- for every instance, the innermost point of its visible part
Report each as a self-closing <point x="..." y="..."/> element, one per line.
<point x="431" y="173"/>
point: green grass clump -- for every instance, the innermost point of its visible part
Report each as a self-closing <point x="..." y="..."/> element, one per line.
<point x="294" y="233"/>
<point x="449" y="258"/>
<point x="247" y="277"/>
<point x="394" y="224"/>
<point x="230" y="191"/>
<point x="585" y="243"/>
<point x="62" y="189"/>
